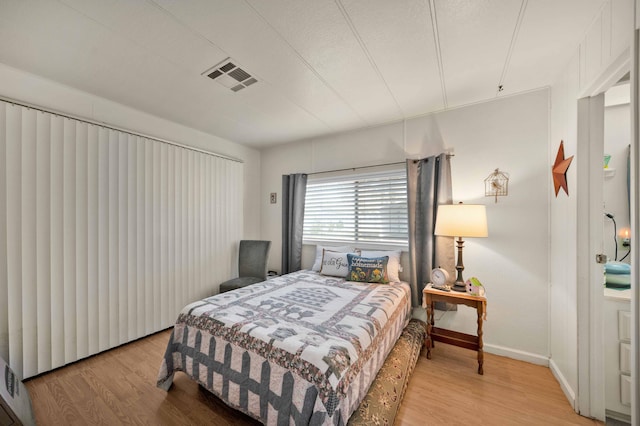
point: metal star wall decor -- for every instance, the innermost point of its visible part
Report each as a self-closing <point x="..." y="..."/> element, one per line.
<point x="559" y="170"/>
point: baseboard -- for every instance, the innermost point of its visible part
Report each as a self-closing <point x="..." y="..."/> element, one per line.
<point x="528" y="357"/>
<point x="516" y="354"/>
<point x="564" y="385"/>
<point x="618" y="416"/>
<point x="420" y="314"/>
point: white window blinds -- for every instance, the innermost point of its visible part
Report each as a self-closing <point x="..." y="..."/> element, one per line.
<point x="363" y="208"/>
<point x="105" y="235"/>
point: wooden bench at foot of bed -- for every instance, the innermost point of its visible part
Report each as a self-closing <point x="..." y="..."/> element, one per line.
<point x="382" y="402"/>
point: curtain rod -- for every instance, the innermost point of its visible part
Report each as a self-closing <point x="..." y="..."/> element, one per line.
<point x="366" y="167"/>
<point x="356" y="168"/>
<point x="118" y="129"/>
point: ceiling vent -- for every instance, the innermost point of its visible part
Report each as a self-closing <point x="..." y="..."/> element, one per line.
<point x="229" y="74"/>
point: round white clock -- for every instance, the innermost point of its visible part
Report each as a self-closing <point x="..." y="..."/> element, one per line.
<point x="439" y="276"/>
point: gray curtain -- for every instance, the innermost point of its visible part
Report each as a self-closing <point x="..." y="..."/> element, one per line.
<point x="294" y="189"/>
<point x="428" y="185"/>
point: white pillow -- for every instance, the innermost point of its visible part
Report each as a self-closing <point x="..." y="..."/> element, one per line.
<point x="393" y="266"/>
<point x="334" y="264"/>
<point x="317" y="263"/>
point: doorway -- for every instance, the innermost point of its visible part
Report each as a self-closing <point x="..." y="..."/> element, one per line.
<point x="598" y="321"/>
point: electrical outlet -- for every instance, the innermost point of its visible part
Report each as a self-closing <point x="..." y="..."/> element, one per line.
<point x="273" y="198"/>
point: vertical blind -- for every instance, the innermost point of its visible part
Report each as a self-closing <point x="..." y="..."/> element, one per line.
<point x="104" y="235"/>
<point x="365" y="208"/>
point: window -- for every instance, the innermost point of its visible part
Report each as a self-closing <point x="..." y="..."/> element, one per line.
<point x="364" y="208"/>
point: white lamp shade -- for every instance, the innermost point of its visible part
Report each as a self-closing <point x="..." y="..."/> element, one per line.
<point x="462" y="220"/>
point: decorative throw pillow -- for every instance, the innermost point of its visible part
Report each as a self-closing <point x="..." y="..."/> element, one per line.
<point x="317" y="263"/>
<point x="368" y="269"/>
<point x="334" y="264"/>
<point x="393" y="267"/>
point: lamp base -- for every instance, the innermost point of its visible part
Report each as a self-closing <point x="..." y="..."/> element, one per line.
<point x="459" y="286"/>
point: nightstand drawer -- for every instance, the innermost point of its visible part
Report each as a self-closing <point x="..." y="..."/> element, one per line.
<point x="625" y="358"/>
<point x="625" y="389"/>
<point x="624" y="325"/>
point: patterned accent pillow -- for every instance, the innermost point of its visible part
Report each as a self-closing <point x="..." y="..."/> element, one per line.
<point x="393" y="267"/>
<point x="334" y="264"/>
<point x="317" y="262"/>
<point x="368" y="269"/>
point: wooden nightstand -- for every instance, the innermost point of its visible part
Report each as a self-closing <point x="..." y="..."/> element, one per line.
<point x="429" y="297"/>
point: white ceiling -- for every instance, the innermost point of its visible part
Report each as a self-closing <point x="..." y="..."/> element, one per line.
<point x="323" y="66"/>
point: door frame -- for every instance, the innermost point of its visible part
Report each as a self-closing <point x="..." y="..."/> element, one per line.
<point x="590" y="241"/>
<point x="590" y="399"/>
<point x="635" y="220"/>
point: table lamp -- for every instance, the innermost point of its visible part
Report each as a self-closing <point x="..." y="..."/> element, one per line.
<point x="461" y="220"/>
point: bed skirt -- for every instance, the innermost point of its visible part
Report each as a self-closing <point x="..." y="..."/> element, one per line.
<point x="382" y="402"/>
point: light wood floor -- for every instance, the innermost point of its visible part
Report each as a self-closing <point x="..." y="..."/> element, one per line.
<point x="118" y="387"/>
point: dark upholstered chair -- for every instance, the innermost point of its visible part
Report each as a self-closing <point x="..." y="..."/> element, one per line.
<point x="252" y="265"/>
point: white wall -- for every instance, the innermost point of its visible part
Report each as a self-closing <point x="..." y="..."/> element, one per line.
<point x="21" y="86"/>
<point x="563" y="253"/>
<point x="509" y="133"/>
<point x="600" y="60"/>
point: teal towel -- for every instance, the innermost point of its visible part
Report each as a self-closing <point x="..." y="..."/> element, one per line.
<point x="618" y="279"/>
<point x="617" y="268"/>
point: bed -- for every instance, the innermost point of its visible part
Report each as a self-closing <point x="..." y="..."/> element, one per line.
<point x="298" y="349"/>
